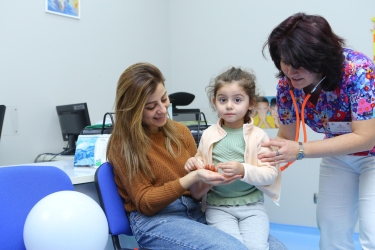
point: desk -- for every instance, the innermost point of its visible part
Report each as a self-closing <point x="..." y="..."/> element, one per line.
<point x="51" y="157"/>
<point x="78" y="175"/>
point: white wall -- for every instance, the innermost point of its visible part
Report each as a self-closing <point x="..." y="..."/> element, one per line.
<point x="209" y="36"/>
<point x="48" y="60"/>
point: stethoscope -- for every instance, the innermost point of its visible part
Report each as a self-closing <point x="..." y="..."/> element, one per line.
<point x="282" y="168"/>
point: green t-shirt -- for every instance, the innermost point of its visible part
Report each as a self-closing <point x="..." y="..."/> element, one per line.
<point x="232" y="148"/>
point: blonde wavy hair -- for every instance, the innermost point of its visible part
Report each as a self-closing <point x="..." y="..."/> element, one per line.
<point x="130" y="137"/>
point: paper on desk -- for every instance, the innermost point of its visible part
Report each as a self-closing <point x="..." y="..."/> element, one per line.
<point x="91" y="150"/>
<point x="100" y="153"/>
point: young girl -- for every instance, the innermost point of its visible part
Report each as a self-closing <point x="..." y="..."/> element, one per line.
<point x="233" y="145"/>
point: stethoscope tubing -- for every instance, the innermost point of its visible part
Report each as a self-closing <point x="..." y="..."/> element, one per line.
<point x="298" y="118"/>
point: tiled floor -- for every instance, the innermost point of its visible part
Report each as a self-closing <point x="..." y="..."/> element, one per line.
<point x="293" y="237"/>
<point x="300" y="238"/>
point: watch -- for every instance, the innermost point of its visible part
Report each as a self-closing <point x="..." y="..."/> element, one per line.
<point x="300" y="154"/>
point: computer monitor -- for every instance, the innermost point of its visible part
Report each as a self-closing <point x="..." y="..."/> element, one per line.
<point x="73" y="119"/>
<point x="2" y="115"/>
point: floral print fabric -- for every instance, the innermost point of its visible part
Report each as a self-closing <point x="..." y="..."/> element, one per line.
<point x="353" y="99"/>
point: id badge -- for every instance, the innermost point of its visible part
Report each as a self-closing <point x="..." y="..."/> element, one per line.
<point x="340" y="127"/>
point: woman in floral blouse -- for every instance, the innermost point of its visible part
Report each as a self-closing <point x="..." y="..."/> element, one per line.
<point x="337" y="85"/>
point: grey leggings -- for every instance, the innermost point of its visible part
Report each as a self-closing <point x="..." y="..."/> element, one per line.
<point x="247" y="223"/>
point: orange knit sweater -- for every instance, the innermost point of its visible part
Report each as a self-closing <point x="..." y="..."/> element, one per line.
<point x="150" y="197"/>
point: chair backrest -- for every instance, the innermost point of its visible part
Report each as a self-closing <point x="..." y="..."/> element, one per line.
<point x="183" y="99"/>
<point x="194" y="119"/>
<point x="111" y="203"/>
<point x="21" y="187"/>
<point x="2" y="115"/>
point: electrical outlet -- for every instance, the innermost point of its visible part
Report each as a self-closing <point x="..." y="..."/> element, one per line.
<point x="315" y="198"/>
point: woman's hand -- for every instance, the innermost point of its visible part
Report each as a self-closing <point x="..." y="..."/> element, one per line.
<point x="215" y="178"/>
<point x="200" y="181"/>
<point x="287" y="151"/>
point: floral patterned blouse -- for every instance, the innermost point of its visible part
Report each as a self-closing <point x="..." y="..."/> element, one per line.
<point x="353" y="99"/>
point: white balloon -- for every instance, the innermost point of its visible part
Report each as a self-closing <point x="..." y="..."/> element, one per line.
<point x="66" y="220"/>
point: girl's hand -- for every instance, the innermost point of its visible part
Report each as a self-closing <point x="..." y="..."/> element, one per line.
<point x="192" y="164"/>
<point x="231" y="168"/>
<point x="287" y="149"/>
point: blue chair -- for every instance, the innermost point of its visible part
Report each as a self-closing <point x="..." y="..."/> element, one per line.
<point x="21" y="187"/>
<point x="112" y="204"/>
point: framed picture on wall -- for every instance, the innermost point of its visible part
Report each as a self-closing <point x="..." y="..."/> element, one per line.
<point x="67" y="8"/>
<point x="265" y="112"/>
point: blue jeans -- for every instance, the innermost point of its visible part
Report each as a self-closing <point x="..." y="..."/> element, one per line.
<point x="181" y="225"/>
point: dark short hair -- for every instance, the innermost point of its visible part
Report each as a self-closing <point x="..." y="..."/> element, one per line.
<point x="308" y="41"/>
<point x="273" y="102"/>
<point x="262" y="99"/>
